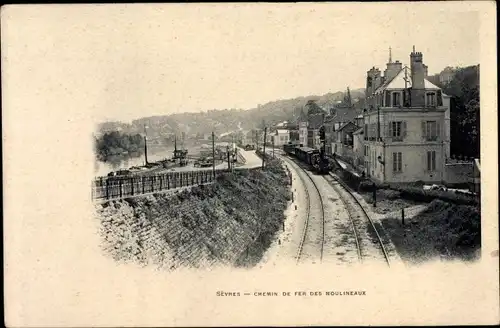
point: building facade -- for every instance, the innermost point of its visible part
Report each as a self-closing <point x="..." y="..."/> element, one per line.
<point x="344" y="141"/>
<point x="280" y="137"/>
<point x="309" y="122"/>
<point x="405" y="127"/>
<point x="446" y="75"/>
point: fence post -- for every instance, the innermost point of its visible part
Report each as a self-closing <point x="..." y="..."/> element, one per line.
<point x="143" y="183"/>
<point x="168" y="181"/>
<point x="152" y="180"/>
<point x="192" y="178"/>
<point x="107" y="189"/>
<point x="161" y="182"/>
<point x="132" y="185"/>
<point x="403" y="216"/>
<point x="120" y="185"/>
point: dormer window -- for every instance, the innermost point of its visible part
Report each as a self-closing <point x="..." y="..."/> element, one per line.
<point x="396" y="99"/>
<point x="430" y="99"/>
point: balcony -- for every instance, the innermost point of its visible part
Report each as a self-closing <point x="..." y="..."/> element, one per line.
<point x="431" y="138"/>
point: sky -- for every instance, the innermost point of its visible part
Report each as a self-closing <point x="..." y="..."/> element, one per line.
<point x="122" y="62"/>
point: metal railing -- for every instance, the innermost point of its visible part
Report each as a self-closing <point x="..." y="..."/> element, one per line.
<point x="108" y="188"/>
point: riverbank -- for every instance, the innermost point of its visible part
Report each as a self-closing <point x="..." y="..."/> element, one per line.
<point x="231" y="222"/>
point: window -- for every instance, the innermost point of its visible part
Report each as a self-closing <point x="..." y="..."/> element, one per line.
<point x="430" y="99"/>
<point x="397" y="162"/>
<point x="431" y="161"/>
<point x="395" y="129"/>
<point x="396" y="99"/>
<point x="430" y="130"/>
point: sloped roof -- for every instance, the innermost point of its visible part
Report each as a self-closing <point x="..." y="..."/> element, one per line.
<point x="345" y="115"/>
<point x="316" y="121"/>
<point x="345" y="125"/>
<point x="329" y="118"/>
<point x="398" y="82"/>
<point x="358" y="131"/>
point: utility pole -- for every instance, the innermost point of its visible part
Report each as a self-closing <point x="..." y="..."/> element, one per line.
<point x="264" y="152"/>
<point x="213" y="153"/>
<point x="273" y="147"/>
<point x="228" y="158"/>
<point x="378" y="123"/>
<point x="145" y="146"/>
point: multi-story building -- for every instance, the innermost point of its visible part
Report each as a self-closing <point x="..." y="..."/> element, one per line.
<point x="341" y="115"/>
<point x="406" y="131"/>
<point x="343" y="145"/>
<point x="309" y="124"/>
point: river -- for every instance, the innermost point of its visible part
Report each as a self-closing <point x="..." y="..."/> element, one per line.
<point x="155" y="153"/>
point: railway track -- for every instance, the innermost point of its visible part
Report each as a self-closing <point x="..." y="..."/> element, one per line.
<point x="368" y="240"/>
<point x="313" y="237"/>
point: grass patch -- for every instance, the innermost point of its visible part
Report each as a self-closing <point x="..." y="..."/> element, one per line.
<point x="388" y="201"/>
<point x="444" y="230"/>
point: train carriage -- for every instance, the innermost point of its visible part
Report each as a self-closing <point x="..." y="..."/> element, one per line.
<point x="289" y="148"/>
<point x="306" y="154"/>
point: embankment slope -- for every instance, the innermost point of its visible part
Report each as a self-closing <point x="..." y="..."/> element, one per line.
<point x="231" y="222"/>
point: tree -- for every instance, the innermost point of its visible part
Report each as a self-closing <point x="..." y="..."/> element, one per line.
<point x="465" y="107"/>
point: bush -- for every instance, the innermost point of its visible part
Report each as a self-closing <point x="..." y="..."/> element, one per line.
<point x="415" y="192"/>
<point x="366" y="186"/>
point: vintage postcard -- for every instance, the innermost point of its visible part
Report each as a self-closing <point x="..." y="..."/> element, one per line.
<point x="250" y="164"/>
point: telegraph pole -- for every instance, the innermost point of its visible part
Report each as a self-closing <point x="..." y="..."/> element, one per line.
<point x="273" y="147"/>
<point x="264" y="152"/>
<point x="145" y="145"/>
<point x="213" y="153"/>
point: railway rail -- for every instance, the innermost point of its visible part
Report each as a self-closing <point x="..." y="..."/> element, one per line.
<point x="312" y="241"/>
<point x="368" y="240"/>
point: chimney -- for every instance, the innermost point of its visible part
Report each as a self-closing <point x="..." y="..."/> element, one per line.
<point x="393" y="68"/>
<point x="426" y="71"/>
<point x="417" y="70"/>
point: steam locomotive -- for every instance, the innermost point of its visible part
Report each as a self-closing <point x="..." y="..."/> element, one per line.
<point x="312" y="157"/>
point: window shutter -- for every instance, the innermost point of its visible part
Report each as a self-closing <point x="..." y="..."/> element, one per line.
<point x="390" y="129"/>
<point x="438" y="130"/>
<point x="423" y="130"/>
<point x="403" y="127"/>
<point x="394" y="162"/>
<point x="428" y="160"/>
<point x="387" y="99"/>
<point x="433" y="160"/>
<point x="387" y="129"/>
<point x="404" y="98"/>
<point x="440" y="98"/>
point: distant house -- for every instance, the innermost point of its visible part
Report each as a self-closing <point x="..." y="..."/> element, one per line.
<point x="329" y="131"/>
<point x="309" y="122"/>
<point x="358" y="148"/>
<point x="280" y="137"/>
<point x="344" y="141"/>
<point x="446" y="75"/>
<point x="341" y="114"/>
